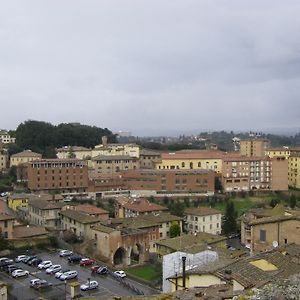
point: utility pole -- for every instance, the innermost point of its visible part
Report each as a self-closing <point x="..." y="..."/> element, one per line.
<point x="183" y="271"/>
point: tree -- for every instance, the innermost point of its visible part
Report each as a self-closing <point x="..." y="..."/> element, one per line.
<point x="274" y="202"/>
<point x="174" y="230"/>
<point x="4" y="245"/>
<point x="293" y="201"/>
<point x="230" y="224"/>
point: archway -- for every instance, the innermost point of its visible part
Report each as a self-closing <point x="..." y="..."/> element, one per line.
<point x="119" y="256"/>
<point x="136" y="254"/>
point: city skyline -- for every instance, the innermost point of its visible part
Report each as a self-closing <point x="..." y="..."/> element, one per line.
<point x="152" y="67"/>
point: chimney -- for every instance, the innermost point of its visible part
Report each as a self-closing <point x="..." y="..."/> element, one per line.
<point x="104" y="140"/>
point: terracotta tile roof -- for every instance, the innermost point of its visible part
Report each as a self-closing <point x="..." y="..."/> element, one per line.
<point x="28" y="231"/>
<point x="79" y="216"/>
<point x="114" y="157"/>
<point x="141" y="205"/>
<point x="4" y="217"/>
<point x="187" y="241"/>
<point x="149" y="152"/>
<point x="195" y="154"/>
<point x="202" y="211"/>
<point x="27" y="153"/>
<point x="45" y="205"/>
<point x="90" y="209"/>
<point x="103" y="228"/>
<point x="161" y="217"/>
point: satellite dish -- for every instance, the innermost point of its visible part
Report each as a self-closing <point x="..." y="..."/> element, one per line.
<point x="275" y="244"/>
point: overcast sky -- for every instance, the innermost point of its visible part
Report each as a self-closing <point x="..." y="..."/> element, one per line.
<point x="152" y="66"/>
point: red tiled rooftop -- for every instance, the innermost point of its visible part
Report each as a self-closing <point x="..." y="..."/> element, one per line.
<point x="141" y="205"/>
<point x="90" y="209"/>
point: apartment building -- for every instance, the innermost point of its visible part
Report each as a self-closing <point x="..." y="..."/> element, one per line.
<point x="6" y="225"/>
<point x="113" y="164"/>
<point x="15" y="201"/>
<point x="294" y="169"/>
<point x="254" y="173"/>
<point x="5" y="137"/>
<point x="78" y="222"/>
<point x="254" y="147"/>
<point x="106" y="149"/>
<point x="132" y="207"/>
<point x="191" y="160"/>
<point x="44" y="213"/>
<point x="147" y="158"/>
<point x="279" y="152"/>
<point x="65" y="175"/>
<point x="203" y="219"/>
<point x="170" y="180"/>
<point x="24" y="157"/>
<point x="3" y="159"/>
<point x="77" y="152"/>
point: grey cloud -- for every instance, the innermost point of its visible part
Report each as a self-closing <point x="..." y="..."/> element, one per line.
<point x="151" y="66"/>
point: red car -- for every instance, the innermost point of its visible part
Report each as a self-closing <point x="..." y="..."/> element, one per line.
<point x="86" y="262"/>
<point x="95" y="268"/>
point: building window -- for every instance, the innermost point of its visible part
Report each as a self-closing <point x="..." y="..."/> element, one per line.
<point x="262" y="235"/>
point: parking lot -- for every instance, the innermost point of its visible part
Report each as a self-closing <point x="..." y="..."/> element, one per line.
<point x="108" y="285"/>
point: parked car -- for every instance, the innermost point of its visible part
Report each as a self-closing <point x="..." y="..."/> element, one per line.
<point x="11" y="268"/>
<point x="95" y="268"/>
<point x="2" y="259"/>
<point x="20" y="258"/>
<point x="74" y="258"/>
<point x="68" y="275"/>
<point x="42" y="284"/>
<point x="58" y="274"/>
<point x="63" y="253"/>
<point x="34" y="281"/>
<point x="53" y="269"/>
<point x="35" y="262"/>
<point x="19" y="273"/>
<point x="86" y="262"/>
<point x="102" y="270"/>
<point x="6" y="262"/>
<point x="90" y="285"/>
<point x="120" y="274"/>
<point x="29" y="258"/>
<point x="45" y="264"/>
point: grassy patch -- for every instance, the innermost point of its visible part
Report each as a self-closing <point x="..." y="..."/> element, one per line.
<point x="148" y="273"/>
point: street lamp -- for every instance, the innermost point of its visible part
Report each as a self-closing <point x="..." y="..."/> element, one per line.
<point x="65" y="289"/>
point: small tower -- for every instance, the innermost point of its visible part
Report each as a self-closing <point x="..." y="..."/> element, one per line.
<point x="104" y="140"/>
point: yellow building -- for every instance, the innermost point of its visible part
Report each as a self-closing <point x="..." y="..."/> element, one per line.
<point x="24" y="157"/>
<point x="279" y="152"/>
<point x="194" y="159"/>
<point x="73" y="152"/>
<point x="294" y="169"/>
<point x="17" y="200"/>
<point x="254" y="147"/>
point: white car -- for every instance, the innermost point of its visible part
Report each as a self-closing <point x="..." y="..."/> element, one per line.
<point x="19" y="273"/>
<point x="45" y="264"/>
<point x="120" y="274"/>
<point x="65" y="253"/>
<point x="53" y="269"/>
<point x="20" y="258"/>
<point x="58" y="274"/>
<point x="33" y="282"/>
<point x="3" y="259"/>
<point x="68" y="275"/>
<point x="89" y="285"/>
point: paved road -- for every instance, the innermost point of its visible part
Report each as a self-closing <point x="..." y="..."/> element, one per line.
<point x="107" y="284"/>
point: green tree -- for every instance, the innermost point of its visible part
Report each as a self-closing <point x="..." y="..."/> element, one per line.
<point x="293" y="201"/>
<point x="274" y="202"/>
<point x="230" y="224"/>
<point x="174" y="230"/>
<point x="4" y="245"/>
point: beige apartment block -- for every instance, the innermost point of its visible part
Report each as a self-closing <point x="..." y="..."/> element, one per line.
<point x="74" y="152"/>
<point x="6" y="225"/>
<point x="148" y="158"/>
<point x="5" y="137"/>
<point x="78" y="222"/>
<point x="24" y="157"/>
<point x="203" y="219"/>
<point x="3" y="159"/>
<point x="294" y="169"/>
<point x="279" y="152"/>
<point x="113" y="164"/>
<point x="44" y="213"/>
<point x="254" y="147"/>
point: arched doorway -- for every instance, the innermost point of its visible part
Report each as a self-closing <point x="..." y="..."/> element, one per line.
<point x="119" y="256"/>
<point x="136" y="254"/>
